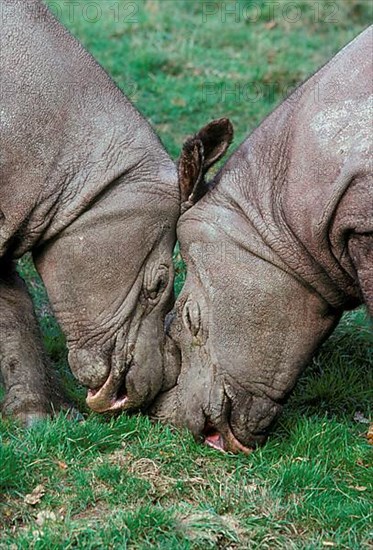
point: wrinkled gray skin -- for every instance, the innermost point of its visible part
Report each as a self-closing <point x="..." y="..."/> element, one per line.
<point x="87" y="186"/>
<point x="275" y="252"/>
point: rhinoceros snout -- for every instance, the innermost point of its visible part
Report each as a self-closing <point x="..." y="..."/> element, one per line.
<point x="89" y="368"/>
<point x="106" y="387"/>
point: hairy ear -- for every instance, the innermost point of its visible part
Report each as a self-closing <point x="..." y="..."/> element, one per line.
<point x="216" y="137"/>
<point x="190" y="170"/>
<point x="199" y="153"/>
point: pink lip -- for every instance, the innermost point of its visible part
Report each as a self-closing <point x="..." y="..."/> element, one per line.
<point x="229" y="443"/>
<point x="216" y="441"/>
<point x="105" y="398"/>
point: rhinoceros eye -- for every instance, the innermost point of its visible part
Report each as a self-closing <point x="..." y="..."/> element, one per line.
<point x="156" y="280"/>
<point x="192" y="317"/>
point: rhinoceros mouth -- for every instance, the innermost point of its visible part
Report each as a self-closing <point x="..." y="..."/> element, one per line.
<point x="111" y="397"/>
<point x="224" y="443"/>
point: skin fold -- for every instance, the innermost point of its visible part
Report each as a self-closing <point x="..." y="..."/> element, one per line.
<point x="277" y="248"/>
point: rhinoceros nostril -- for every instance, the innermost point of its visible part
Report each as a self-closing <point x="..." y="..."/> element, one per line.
<point x="192" y="317"/>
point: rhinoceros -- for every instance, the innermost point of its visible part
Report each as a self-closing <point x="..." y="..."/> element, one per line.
<point x="277" y="248"/>
<point x="87" y="186"/>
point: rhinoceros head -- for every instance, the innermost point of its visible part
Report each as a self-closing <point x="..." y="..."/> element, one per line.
<point x="243" y="328"/>
<point x="109" y="276"/>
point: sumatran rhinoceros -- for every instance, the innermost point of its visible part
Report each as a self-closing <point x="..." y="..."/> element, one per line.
<point x="275" y="252"/>
<point x="86" y="186"/>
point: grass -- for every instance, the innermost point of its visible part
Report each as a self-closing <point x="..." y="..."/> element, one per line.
<point x="127" y="483"/>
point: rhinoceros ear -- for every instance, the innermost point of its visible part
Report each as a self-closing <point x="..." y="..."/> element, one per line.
<point x="191" y="173"/>
<point x="199" y="153"/>
<point x="216" y="137"/>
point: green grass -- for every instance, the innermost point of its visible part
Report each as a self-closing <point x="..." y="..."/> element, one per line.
<point x="127" y="483"/>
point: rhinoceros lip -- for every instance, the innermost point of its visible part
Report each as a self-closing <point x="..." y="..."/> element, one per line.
<point x="224" y="443"/>
<point x="106" y="398"/>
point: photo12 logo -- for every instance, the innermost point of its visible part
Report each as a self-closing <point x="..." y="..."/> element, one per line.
<point x="122" y="11"/>
<point x="92" y="12"/>
<point x="270" y="10"/>
<point x="252" y="92"/>
<point x="247" y="92"/>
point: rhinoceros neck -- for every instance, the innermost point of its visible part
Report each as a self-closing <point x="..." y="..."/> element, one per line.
<point x="287" y="180"/>
<point x="121" y="160"/>
<point x="68" y="133"/>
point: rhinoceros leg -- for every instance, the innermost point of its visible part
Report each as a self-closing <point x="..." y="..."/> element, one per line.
<point x="23" y="367"/>
<point x="361" y="251"/>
